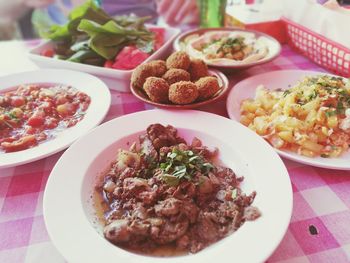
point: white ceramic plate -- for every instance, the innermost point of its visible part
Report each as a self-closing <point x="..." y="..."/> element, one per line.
<point x="69" y="214"/>
<point x="116" y="79"/>
<point x="92" y="86"/>
<point x="280" y="79"/>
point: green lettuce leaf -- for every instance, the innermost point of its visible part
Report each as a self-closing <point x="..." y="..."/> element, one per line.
<point x="88" y="10"/>
<point x="108" y="39"/>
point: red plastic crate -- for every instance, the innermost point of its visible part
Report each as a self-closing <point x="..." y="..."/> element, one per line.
<point x="321" y="50"/>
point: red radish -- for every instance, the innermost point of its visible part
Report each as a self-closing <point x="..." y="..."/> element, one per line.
<point x="108" y="64"/>
<point x="48" y="52"/>
<point x="129" y="58"/>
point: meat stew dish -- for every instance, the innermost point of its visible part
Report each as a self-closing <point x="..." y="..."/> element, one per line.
<point x="163" y="192"/>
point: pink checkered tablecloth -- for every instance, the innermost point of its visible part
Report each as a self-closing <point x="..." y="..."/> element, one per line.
<point x="319" y="230"/>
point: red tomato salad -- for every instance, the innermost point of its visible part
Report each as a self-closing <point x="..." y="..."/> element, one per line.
<point x="35" y="113"/>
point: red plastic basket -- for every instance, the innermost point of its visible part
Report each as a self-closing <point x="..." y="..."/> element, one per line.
<point x="321" y="50"/>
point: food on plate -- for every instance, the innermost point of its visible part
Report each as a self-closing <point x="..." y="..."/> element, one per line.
<point x="93" y="37"/>
<point x="140" y="74"/>
<point x="165" y="193"/>
<point x="158" y="67"/>
<point x="174" y="75"/>
<point x="157" y="89"/>
<point x="207" y="87"/>
<point x="226" y="47"/>
<point x="178" y="60"/>
<point x="154" y="68"/>
<point x="198" y="69"/>
<point x="183" y="92"/>
<point x="311" y="118"/>
<point x="34" y="113"/>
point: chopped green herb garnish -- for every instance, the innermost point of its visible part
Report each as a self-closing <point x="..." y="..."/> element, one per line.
<point x="170" y="179"/>
<point x="340" y="107"/>
<point x="184" y="165"/>
<point x="313" y="95"/>
<point x="286" y="92"/>
<point x="330" y="113"/>
<point x="12" y="116"/>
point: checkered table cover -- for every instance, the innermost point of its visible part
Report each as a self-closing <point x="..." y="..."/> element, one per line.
<point x="319" y="230"/>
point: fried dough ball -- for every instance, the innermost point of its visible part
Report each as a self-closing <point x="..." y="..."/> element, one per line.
<point x="207" y="87"/>
<point x="158" y="67"/>
<point x="178" y="60"/>
<point x="174" y="75"/>
<point x="183" y="92"/>
<point x="154" y="68"/>
<point x="157" y="89"/>
<point x="198" y="69"/>
<point x="140" y="74"/>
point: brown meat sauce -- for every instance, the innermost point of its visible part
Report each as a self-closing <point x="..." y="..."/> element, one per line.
<point x="167" y="198"/>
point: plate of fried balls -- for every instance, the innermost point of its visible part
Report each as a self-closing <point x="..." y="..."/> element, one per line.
<point x="178" y="82"/>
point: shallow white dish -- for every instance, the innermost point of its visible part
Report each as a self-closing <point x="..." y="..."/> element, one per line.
<point x="92" y="86"/>
<point x="281" y="79"/>
<point x="115" y="79"/>
<point x="70" y="216"/>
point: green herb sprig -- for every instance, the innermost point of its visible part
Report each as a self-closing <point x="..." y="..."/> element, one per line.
<point x="180" y="165"/>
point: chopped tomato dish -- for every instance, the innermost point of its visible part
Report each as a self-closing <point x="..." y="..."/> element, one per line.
<point x="35" y="113"/>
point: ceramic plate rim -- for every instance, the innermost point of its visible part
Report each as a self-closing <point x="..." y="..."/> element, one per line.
<point x="63" y="139"/>
<point x="317" y="162"/>
<point x="57" y="211"/>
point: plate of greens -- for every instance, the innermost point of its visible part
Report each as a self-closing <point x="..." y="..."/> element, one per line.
<point x="109" y="47"/>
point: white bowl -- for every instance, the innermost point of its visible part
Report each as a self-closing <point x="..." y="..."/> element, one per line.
<point x="115" y="79"/>
<point x="70" y="216"/>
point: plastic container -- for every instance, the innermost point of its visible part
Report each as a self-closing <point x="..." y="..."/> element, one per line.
<point x="321" y="50"/>
<point x="115" y="79"/>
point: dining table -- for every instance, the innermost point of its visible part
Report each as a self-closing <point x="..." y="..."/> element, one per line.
<point x="318" y="231"/>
